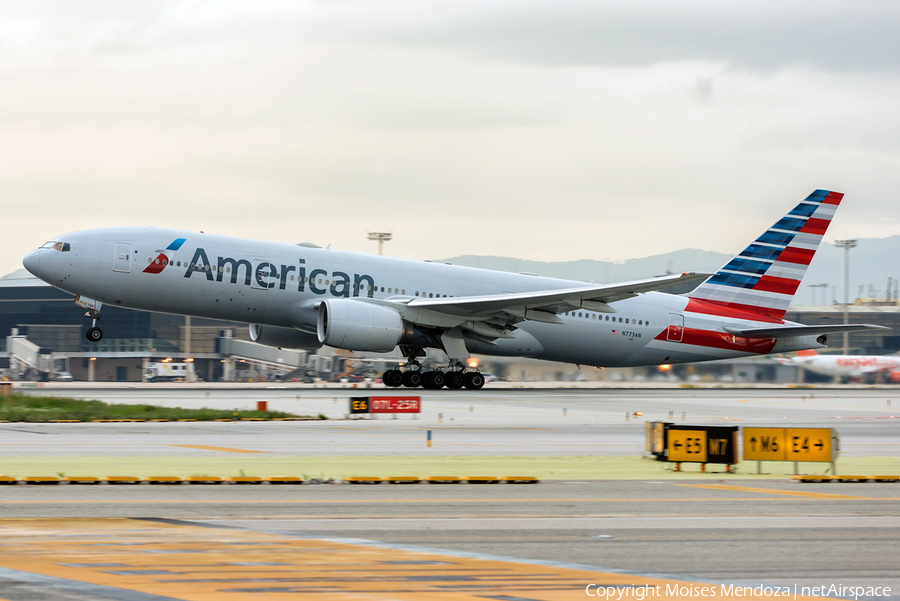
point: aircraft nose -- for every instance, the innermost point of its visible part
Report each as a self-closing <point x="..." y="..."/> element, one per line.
<point x="32" y="262"/>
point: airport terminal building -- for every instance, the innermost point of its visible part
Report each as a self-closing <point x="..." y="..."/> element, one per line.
<point x="48" y="330"/>
<point x="42" y="333"/>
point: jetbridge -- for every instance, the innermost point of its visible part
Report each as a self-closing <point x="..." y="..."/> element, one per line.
<point x="234" y="349"/>
<point x="25" y="356"/>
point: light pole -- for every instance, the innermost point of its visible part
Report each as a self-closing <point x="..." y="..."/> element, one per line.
<point x="846" y="245"/>
<point x="381" y="238"/>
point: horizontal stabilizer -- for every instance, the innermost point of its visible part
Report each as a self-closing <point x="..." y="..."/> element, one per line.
<point x="790" y="331"/>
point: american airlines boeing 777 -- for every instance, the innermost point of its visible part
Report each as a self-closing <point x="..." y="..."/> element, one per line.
<point x="303" y="297"/>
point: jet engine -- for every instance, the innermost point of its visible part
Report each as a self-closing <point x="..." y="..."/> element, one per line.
<point x="360" y="326"/>
<point x="283" y="337"/>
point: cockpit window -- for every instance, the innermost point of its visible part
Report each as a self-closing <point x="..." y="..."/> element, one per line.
<point x="60" y="246"/>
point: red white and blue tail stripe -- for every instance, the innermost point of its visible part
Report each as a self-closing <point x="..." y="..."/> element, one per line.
<point x="761" y="281"/>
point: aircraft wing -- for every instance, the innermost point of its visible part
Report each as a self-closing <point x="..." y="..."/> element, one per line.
<point x="789" y="331"/>
<point x="543" y="305"/>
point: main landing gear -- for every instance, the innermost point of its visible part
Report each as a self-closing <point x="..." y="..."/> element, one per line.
<point x="455" y="377"/>
<point x="94" y="333"/>
<point x="433" y="380"/>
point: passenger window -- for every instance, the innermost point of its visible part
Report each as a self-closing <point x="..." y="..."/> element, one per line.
<point x="389" y="291"/>
<point x="417" y="293"/>
<point x="382" y="288"/>
<point x="403" y="291"/>
<point x="292" y="278"/>
<point x="620" y="320"/>
<point x="626" y="321"/>
<point x="178" y="264"/>
<point x="430" y="295"/>
<point x="593" y="317"/>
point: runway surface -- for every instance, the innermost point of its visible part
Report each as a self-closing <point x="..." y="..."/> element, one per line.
<point x="504" y="542"/>
<point x="507" y="422"/>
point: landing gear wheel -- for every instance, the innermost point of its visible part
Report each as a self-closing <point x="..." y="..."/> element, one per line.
<point x="474" y="380"/>
<point x="412" y="379"/>
<point x="455" y="379"/>
<point x="428" y="380"/>
<point x="392" y="378"/>
<point x="94" y="334"/>
<point x="433" y="380"/>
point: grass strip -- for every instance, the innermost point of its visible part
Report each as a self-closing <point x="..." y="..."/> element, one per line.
<point x="26" y="408"/>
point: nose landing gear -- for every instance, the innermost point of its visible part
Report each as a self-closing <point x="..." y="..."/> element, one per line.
<point x="94" y="333"/>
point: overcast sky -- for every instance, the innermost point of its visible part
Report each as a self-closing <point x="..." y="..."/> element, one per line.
<point x="549" y="130"/>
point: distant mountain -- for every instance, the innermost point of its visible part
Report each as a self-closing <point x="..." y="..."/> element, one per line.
<point x="18" y="274"/>
<point x="871" y="263"/>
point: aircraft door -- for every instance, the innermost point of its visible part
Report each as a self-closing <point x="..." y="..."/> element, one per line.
<point x="264" y="275"/>
<point x="675" y="332"/>
<point x="122" y="258"/>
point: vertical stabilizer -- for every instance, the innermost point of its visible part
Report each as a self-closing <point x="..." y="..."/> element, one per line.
<point x="762" y="279"/>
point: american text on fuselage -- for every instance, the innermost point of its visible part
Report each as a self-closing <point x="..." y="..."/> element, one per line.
<point x="269" y="275"/>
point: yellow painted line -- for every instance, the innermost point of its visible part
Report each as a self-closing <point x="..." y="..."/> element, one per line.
<point x="775" y="491"/>
<point x="374" y="501"/>
<point x="193" y="563"/>
<point x="208" y="448"/>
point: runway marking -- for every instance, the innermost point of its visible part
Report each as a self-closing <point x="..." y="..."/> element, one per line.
<point x="451" y="501"/>
<point x="208" y="448"/>
<point x="183" y="561"/>
<point x="775" y="491"/>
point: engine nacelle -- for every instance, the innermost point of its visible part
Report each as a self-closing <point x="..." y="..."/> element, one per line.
<point x="360" y="326"/>
<point x="283" y="337"/>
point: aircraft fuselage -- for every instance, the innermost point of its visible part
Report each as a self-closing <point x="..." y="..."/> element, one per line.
<point x="277" y="284"/>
